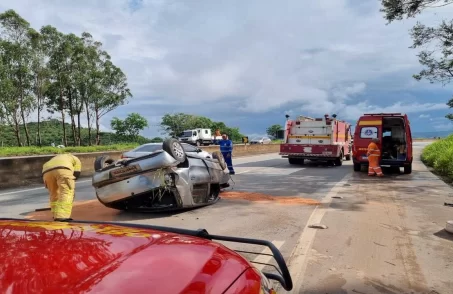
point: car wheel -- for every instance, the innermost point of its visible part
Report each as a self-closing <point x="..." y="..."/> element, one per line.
<point x="102" y="161"/>
<point x="217" y="155"/>
<point x="175" y="149"/>
<point x="408" y="169"/>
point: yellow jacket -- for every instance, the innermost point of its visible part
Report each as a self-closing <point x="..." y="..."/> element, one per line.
<point x="67" y="161"/>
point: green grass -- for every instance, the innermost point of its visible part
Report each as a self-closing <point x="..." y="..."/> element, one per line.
<point x="439" y="156"/>
<point x="24" y="151"/>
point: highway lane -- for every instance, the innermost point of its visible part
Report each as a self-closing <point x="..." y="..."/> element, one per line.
<point x="285" y="224"/>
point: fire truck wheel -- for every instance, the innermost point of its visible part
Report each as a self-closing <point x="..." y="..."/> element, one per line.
<point x="295" y="161"/>
<point x="357" y="167"/>
<point x="339" y="160"/>
<point x="347" y="157"/>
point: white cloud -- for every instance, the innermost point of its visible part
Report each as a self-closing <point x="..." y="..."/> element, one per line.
<point x="259" y="55"/>
<point x="424" y="115"/>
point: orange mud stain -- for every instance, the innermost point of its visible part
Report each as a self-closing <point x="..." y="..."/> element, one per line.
<point x="91" y="210"/>
<point x="259" y="197"/>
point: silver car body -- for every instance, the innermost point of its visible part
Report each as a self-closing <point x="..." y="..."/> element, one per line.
<point x="148" y="148"/>
<point x="261" y="140"/>
<point x="157" y="181"/>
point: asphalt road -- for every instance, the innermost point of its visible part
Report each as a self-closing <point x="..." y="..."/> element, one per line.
<point x="399" y="213"/>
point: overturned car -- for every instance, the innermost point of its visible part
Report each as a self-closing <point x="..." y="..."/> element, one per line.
<point x="167" y="179"/>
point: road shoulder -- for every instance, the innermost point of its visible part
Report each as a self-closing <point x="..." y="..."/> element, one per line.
<point x="384" y="236"/>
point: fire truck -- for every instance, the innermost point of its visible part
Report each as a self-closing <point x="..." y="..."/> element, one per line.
<point x="317" y="139"/>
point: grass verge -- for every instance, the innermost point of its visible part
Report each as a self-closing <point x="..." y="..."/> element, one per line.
<point x="439" y="156"/>
<point x="33" y="150"/>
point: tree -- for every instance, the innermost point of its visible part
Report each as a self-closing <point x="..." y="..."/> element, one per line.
<point x="397" y="9"/>
<point x="438" y="62"/>
<point x="129" y="127"/>
<point x="114" y="92"/>
<point x="17" y="40"/>
<point x="273" y="130"/>
<point x="40" y="75"/>
<point x="61" y="73"/>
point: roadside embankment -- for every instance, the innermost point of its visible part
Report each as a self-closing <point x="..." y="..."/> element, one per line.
<point x="26" y="170"/>
<point x="439" y="156"/>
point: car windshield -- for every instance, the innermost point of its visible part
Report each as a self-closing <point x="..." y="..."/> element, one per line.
<point x="186" y="134"/>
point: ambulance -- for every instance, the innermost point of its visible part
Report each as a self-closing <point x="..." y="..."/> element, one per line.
<point x="395" y="140"/>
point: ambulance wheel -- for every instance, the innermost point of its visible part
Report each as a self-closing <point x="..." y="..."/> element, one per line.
<point x="408" y="169"/>
<point x="357" y="167"/>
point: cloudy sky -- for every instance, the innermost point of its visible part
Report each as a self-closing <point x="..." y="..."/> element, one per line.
<point x="247" y="63"/>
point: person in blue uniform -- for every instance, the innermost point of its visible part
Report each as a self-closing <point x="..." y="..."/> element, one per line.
<point x="226" y="147"/>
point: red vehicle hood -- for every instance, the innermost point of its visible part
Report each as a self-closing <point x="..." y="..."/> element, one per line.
<point x="51" y="257"/>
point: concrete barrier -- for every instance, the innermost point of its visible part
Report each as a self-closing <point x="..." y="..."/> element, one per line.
<point x="26" y="170"/>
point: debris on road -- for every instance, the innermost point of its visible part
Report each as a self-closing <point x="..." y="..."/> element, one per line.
<point x="390" y="263"/>
<point x="259" y="197"/>
<point x="337" y="197"/>
<point x="449" y="226"/>
<point x="379" y="244"/>
<point x="317" y="226"/>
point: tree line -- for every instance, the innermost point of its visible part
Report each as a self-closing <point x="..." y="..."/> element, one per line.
<point x="61" y="73"/>
<point x="174" y="124"/>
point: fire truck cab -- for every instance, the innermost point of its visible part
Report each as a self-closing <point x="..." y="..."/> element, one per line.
<point x="317" y="139"/>
<point x="395" y="140"/>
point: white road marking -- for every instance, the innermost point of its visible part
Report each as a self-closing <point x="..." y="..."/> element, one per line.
<point x="298" y="260"/>
<point x="243" y="172"/>
<point x="34" y="189"/>
<point x="266" y="258"/>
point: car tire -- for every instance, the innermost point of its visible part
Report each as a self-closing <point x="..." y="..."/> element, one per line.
<point x="175" y="149"/>
<point x="217" y="155"/>
<point x="102" y="161"/>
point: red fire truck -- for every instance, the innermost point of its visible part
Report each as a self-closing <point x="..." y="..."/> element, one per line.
<point x="317" y="139"/>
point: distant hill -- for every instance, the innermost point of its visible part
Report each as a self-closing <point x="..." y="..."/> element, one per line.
<point x="52" y="132"/>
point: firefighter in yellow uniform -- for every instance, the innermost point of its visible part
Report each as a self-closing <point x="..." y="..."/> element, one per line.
<point x="59" y="175"/>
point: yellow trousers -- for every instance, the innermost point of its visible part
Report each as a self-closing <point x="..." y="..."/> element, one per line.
<point x="61" y="186"/>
